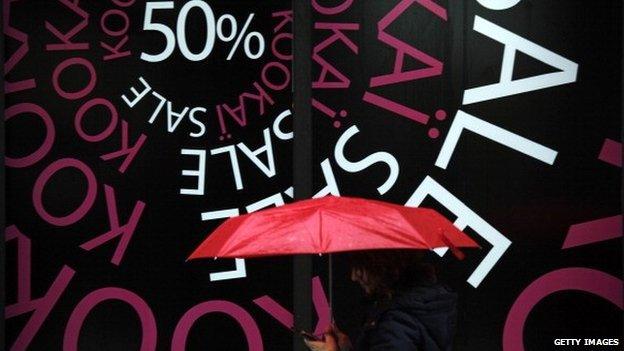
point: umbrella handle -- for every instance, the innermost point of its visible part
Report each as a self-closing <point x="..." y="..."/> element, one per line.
<point x="331" y="284"/>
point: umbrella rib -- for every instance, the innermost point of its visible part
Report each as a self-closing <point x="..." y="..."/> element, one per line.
<point x="402" y="237"/>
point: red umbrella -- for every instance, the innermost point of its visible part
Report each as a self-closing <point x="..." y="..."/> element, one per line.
<point x="331" y="224"/>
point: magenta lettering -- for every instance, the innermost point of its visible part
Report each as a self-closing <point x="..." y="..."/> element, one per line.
<point x="18" y="55"/>
<point x="82" y="92"/>
<point x="39" y="307"/>
<point x="127" y="151"/>
<point x="66" y="38"/>
<point x="279" y="85"/>
<point x="48" y="141"/>
<point x="250" y="328"/>
<point x="114" y="116"/>
<point x="581" y="279"/>
<point x="332" y="10"/>
<point x="84" y="307"/>
<point x="282" y="315"/>
<point x="125" y="231"/>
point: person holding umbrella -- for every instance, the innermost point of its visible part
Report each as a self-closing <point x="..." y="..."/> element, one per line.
<point x="411" y="311"/>
<point x="386" y="243"/>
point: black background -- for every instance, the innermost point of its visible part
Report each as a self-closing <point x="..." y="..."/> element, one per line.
<point x="530" y="202"/>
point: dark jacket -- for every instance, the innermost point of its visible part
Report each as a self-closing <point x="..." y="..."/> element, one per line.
<point x="421" y="318"/>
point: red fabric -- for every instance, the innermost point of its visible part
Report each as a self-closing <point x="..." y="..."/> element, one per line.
<point x="331" y="224"/>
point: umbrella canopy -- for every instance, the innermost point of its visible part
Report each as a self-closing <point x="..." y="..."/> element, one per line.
<point x="331" y="224"/>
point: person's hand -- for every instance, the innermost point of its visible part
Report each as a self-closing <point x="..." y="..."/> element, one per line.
<point x="327" y="344"/>
<point x="333" y="340"/>
<point x="343" y="339"/>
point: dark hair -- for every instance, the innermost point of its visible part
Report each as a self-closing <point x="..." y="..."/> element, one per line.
<point x="389" y="271"/>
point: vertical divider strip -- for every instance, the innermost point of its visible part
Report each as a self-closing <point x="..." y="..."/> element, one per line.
<point x="302" y="157"/>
